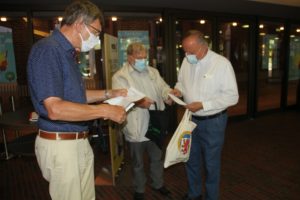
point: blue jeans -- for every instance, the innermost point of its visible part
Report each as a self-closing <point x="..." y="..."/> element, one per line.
<point x="206" y="149"/>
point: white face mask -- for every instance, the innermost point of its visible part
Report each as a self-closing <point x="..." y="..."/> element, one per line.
<point x="88" y="44"/>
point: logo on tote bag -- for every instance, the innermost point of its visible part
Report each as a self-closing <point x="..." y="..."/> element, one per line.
<point x="184" y="142"/>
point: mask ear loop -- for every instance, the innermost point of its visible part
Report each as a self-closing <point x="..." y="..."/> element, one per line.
<point x="86" y="28"/>
<point x="91" y="34"/>
<point x="80" y="35"/>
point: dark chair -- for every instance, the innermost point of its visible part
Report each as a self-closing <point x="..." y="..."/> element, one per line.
<point x="23" y="145"/>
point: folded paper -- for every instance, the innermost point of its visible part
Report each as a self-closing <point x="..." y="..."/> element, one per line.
<point x="133" y="95"/>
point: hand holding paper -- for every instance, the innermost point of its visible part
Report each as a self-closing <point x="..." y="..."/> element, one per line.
<point x="176" y="92"/>
<point x="194" y="106"/>
<point x="127" y="102"/>
<point x="118" y="92"/>
<point x="177" y="100"/>
<point x="146" y="102"/>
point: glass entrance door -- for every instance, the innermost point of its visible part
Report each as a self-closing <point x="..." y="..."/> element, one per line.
<point x="270" y="66"/>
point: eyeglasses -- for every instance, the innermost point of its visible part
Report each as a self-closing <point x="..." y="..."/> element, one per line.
<point x="95" y="29"/>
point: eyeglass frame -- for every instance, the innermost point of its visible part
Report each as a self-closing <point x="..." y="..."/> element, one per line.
<point x="98" y="31"/>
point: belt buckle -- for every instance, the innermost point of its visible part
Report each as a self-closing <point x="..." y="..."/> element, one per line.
<point x="85" y="134"/>
<point x="58" y="136"/>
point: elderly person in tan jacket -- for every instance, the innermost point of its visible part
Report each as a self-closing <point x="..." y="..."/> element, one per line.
<point x="136" y="73"/>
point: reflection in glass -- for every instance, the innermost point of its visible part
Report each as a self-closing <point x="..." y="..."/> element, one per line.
<point x="86" y="63"/>
<point x="143" y="27"/>
<point x="182" y="26"/>
<point x="271" y="65"/>
<point x="44" y="23"/>
<point x="294" y="65"/>
<point x="233" y="40"/>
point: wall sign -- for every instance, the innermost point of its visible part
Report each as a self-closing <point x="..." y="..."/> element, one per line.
<point x="7" y="56"/>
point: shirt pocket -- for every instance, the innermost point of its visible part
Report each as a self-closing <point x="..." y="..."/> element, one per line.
<point x="207" y="86"/>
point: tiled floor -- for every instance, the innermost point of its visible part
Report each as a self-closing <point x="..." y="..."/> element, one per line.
<point x="261" y="161"/>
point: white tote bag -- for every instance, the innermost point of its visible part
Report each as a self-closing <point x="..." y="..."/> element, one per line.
<point x="178" y="149"/>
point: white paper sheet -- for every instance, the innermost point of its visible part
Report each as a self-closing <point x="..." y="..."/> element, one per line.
<point x="127" y="102"/>
<point x="177" y="100"/>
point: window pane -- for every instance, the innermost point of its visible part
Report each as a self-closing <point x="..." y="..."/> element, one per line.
<point x="44" y="23"/>
<point x="234" y="45"/>
<point x="294" y="65"/>
<point x="142" y="26"/>
<point x="270" y="66"/>
<point x="182" y="26"/>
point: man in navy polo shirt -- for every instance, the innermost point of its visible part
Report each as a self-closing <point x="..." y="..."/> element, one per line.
<point x="59" y="97"/>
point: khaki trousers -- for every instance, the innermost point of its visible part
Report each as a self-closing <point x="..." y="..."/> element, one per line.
<point x="68" y="165"/>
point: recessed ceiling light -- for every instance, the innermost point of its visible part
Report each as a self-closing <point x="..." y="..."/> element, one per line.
<point x="114" y="19"/>
<point x="3" y="19"/>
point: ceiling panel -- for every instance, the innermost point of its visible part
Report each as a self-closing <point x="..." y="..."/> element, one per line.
<point x="279" y="8"/>
<point x="281" y="2"/>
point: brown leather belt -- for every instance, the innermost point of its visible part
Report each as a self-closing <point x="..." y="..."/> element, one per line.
<point x="63" y="135"/>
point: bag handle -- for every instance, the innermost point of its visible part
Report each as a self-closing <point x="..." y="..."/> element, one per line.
<point x="155" y="105"/>
<point x="187" y="115"/>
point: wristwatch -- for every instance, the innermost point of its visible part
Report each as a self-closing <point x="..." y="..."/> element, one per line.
<point x="106" y="94"/>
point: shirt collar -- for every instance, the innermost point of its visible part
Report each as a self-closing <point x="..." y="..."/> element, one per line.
<point x="63" y="41"/>
<point x="206" y="57"/>
<point x="130" y="68"/>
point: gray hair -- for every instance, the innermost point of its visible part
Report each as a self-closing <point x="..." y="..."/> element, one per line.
<point x="135" y="47"/>
<point x="197" y="34"/>
<point x="82" y="9"/>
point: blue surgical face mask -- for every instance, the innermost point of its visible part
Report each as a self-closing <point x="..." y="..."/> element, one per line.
<point x="140" y="64"/>
<point x="191" y="58"/>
